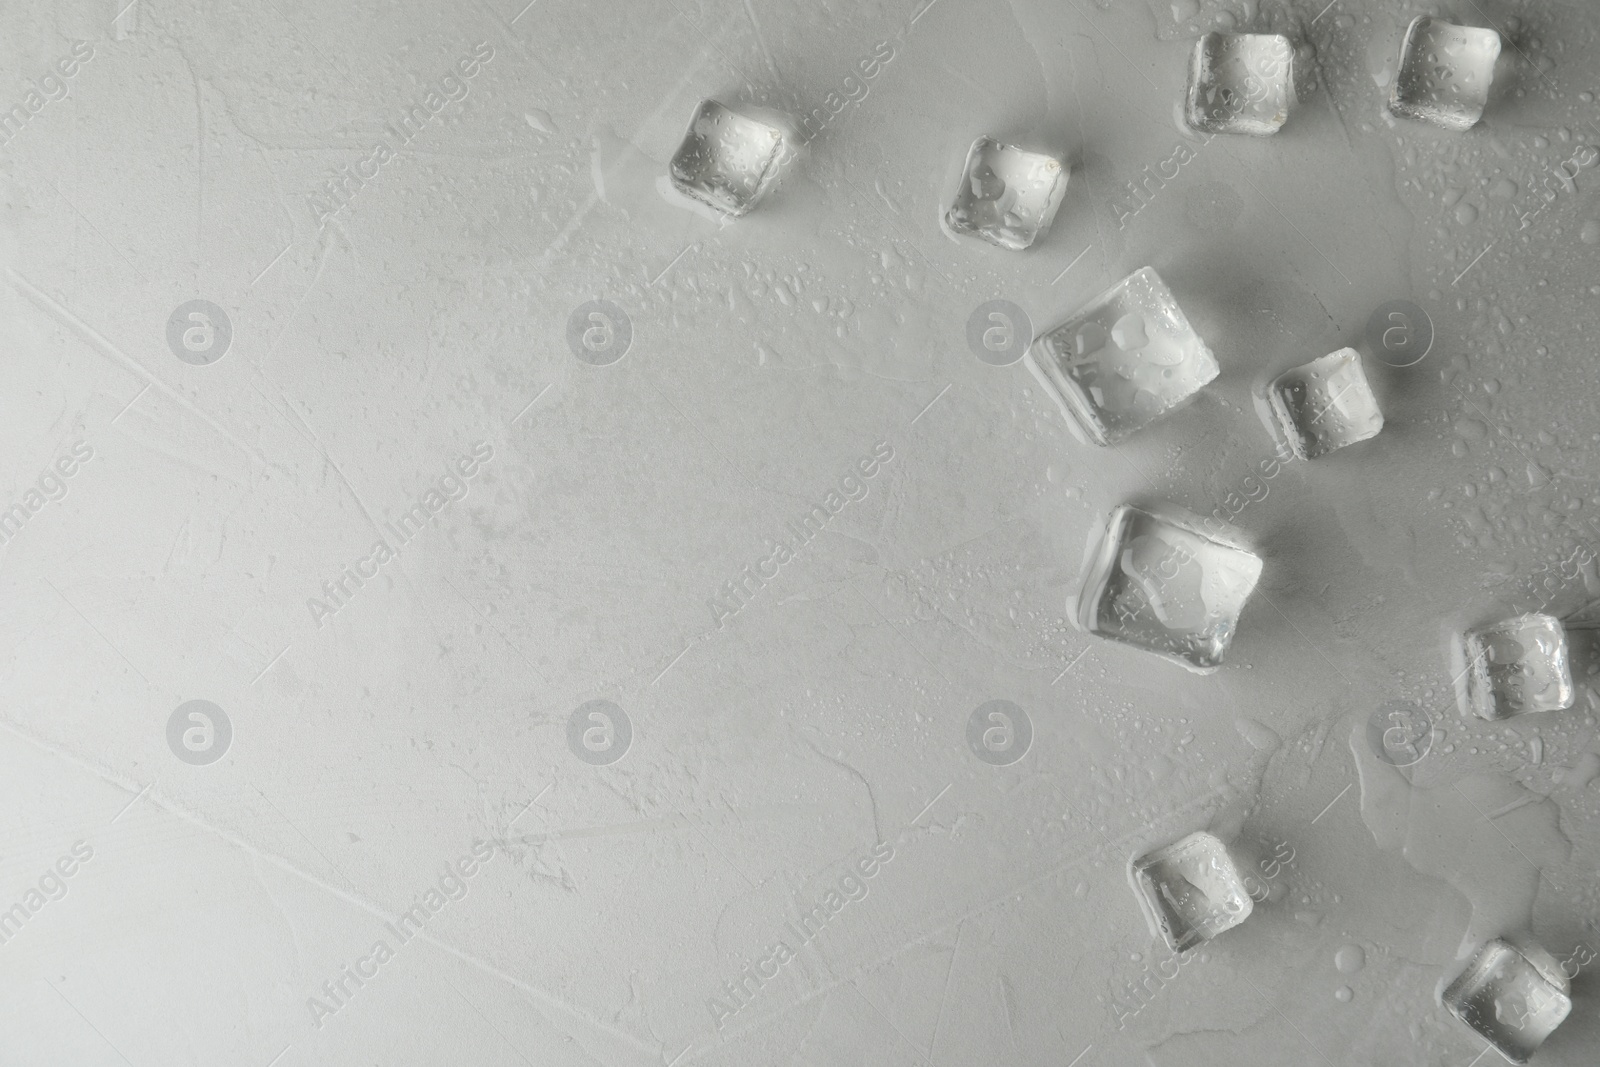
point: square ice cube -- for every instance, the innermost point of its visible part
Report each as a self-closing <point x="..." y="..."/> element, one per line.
<point x="1444" y="74"/>
<point x="1510" y="999"/>
<point x="1517" y="666"/>
<point x="1169" y="582"/>
<point x="1191" y="891"/>
<point x="1123" y="361"/>
<point x="1324" y="405"/>
<point x="1240" y="83"/>
<point x="1008" y="196"/>
<point x="727" y="160"/>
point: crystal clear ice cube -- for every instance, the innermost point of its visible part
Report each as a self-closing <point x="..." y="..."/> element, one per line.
<point x="1191" y="891"/>
<point x="1008" y="197"/>
<point x="1517" y="666"/>
<point x="727" y="160"/>
<point x="1123" y="361"/>
<point x="1168" y="582"/>
<point x="1444" y="73"/>
<point x="1240" y="83"/>
<point x="1513" y="1000"/>
<point x="1324" y="405"/>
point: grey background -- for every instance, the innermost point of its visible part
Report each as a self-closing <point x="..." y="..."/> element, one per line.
<point x="372" y="745"/>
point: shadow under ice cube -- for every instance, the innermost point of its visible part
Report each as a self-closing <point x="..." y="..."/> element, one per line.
<point x="1191" y="891"/>
<point x="1123" y="361"/>
<point x="1512" y="1000"/>
<point x="1008" y="196"/>
<point x="1517" y="666"/>
<point x="1240" y="83"/>
<point x="1170" y="583"/>
<point x="727" y="160"/>
<point x="1444" y="74"/>
<point x="1324" y="405"/>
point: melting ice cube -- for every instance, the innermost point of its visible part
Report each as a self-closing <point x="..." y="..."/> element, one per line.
<point x="1123" y="361"/>
<point x="1169" y="582"/>
<point x="1191" y="891"/>
<point x="1240" y="83"/>
<point x="1008" y="196"/>
<point x="1517" y="666"/>
<point x="727" y="160"/>
<point x="1324" y="405"/>
<point x="1444" y="74"/>
<point x="1512" y="998"/>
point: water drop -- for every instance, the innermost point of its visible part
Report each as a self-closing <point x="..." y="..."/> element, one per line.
<point x="1349" y="959"/>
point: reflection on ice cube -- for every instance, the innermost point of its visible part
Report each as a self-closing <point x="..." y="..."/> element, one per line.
<point x="727" y="160"/>
<point x="1191" y="891"/>
<point x="1240" y="83"/>
<point x="1513" y="997"/>
<point x="1444" y="73"/>
<point x="1123" y="361"/>
<point x="1517" y="666"/>
<point x="1168" y="582"/>
<point x="1007" y="197"/>
<point x="1324" y="405"/>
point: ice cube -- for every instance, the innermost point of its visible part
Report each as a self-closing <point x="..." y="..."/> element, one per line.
<point x="1512" y="998"/>
<point x="1169" y="582"/>
<point x="1241" y="83"/>
<point x="1444" y="74"/>
<point x="1324" y="405"/>
<point x="1123" y="361"/>
<point x="1191" y="891"/>
<point x="1008" y="196"/>
<point x="727" y="160"/>
<point x="1517" y="666"/>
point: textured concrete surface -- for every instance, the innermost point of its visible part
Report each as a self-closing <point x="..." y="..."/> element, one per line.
<point x="597" y="609"/>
